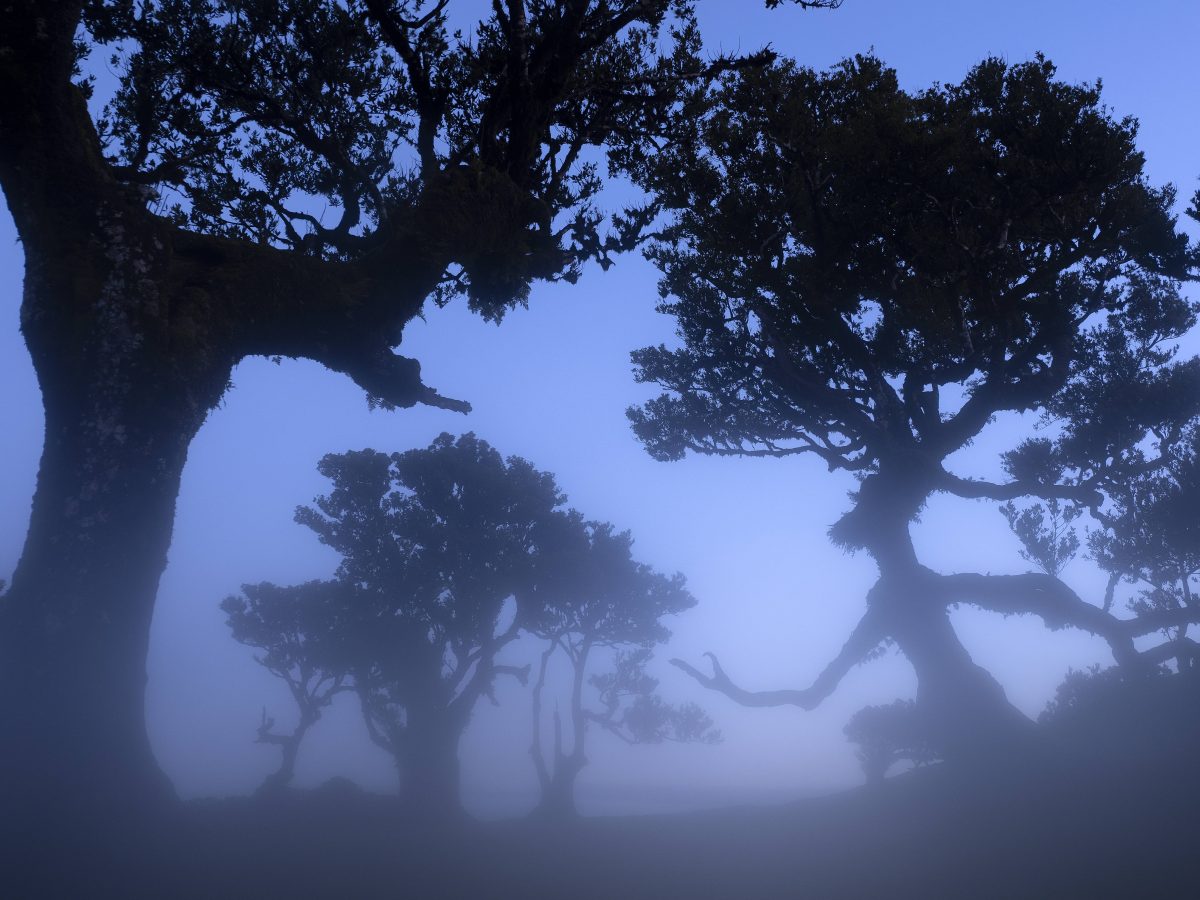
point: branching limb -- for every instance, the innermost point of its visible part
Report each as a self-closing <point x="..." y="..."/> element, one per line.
<point x="1046" y="597"/>
<point x="721" y="682"/>
<point x="867" y="635"/>
<point x="973" y="489"/>
<point x="521" y="673"/>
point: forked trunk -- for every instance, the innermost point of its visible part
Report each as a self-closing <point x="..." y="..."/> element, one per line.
<point x="966" y="712"/>
<point x="558" y="794"/>
<point x="965" y="709"/>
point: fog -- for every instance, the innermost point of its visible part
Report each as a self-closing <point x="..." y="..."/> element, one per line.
<point x="776" y="599"/>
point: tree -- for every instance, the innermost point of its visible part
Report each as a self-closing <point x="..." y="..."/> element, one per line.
<point x="870" y="276"/>
<point x="297" y="629"/>
<point x="436" y="544"/>
<point x="591" y="595"/>
<point x="1147" y="533"/>
<point x="179" y="233"/>
<point x="887" y="735"/>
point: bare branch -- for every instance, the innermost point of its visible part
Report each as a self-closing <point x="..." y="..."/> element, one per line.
<point x="867" y="635"/>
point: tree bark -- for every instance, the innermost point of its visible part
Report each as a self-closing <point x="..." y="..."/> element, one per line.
<point x="557" y="802"/>
<point x="74" y="627"/>
<point x="289" y="749"/>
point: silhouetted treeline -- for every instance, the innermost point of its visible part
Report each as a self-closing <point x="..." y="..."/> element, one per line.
<point x="448" y="555"/>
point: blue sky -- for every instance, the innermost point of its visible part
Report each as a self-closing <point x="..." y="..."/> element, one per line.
<point x="551" y="384"/>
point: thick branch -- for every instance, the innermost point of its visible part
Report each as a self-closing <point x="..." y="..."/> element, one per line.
<point x="972" y="489"/>
<point x="867" y="635"/>
<point x="391" y="381"/>
<point x="1047" y="597"/>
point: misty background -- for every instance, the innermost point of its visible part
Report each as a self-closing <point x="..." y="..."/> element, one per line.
<point x="775" y="598"/>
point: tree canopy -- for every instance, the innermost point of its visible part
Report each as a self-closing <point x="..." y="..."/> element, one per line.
<point x="870" y="276"/>
<point x="437" y="545"/>
<point x="592" y="596"/>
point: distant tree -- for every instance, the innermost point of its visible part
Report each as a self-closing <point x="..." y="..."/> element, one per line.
<point x="291" y="178"/>
<point x="297" y="630"/>
<point x="591" y="596"/>
<point x="890" y="734"/>
<point x="437" y="544"/>
<point x="870" y="276"/>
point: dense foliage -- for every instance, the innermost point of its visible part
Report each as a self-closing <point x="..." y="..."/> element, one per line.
<point x="448" y="554"/>
<point x="871" y="276"/>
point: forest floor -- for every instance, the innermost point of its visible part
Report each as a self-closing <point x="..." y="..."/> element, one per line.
<point x="925" y="834"/>
<point x="1112" y="811"/>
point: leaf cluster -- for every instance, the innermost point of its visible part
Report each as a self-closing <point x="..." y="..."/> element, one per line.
<point x="343" y="129"/>
<point x="867" y="274"/>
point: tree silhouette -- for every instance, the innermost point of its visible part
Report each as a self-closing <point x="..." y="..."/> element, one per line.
<point x="869" y="277"/>
<point x="887" y="735"/>
<point x="297" y="629"/>
<point x="180" y="232"/>
<point x="592" y="596"/>
<point x="1146" y="537"/>
<point x="436" y="546"/>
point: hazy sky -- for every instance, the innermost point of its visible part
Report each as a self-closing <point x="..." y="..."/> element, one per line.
<point x="552" y="383"/>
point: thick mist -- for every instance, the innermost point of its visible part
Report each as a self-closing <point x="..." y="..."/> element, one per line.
<point x="775" y="598"/>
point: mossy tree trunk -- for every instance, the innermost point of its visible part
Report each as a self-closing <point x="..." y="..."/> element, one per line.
<point x="134" y="327"/>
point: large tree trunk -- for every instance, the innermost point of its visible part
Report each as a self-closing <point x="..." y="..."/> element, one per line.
<point x="964" y="707"/>
<point x="121" y="409"/>
<point x="430" y="769"/>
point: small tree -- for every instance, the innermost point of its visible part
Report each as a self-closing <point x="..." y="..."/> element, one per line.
<point x="435" y="543"/>
<point x="890" y="734"/>
<point x="591" y="595"/>
<point x="297" y="629"/>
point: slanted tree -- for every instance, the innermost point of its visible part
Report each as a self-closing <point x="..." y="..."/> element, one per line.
<point x="591" y="597"/>
<point x="437" y="544"/>
<point x="870" y="276"/>
<point x="297" y="629"/>
<point x="270" y="178"/>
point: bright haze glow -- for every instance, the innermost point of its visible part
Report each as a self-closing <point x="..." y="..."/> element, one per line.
<point x="776" y="599"/>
